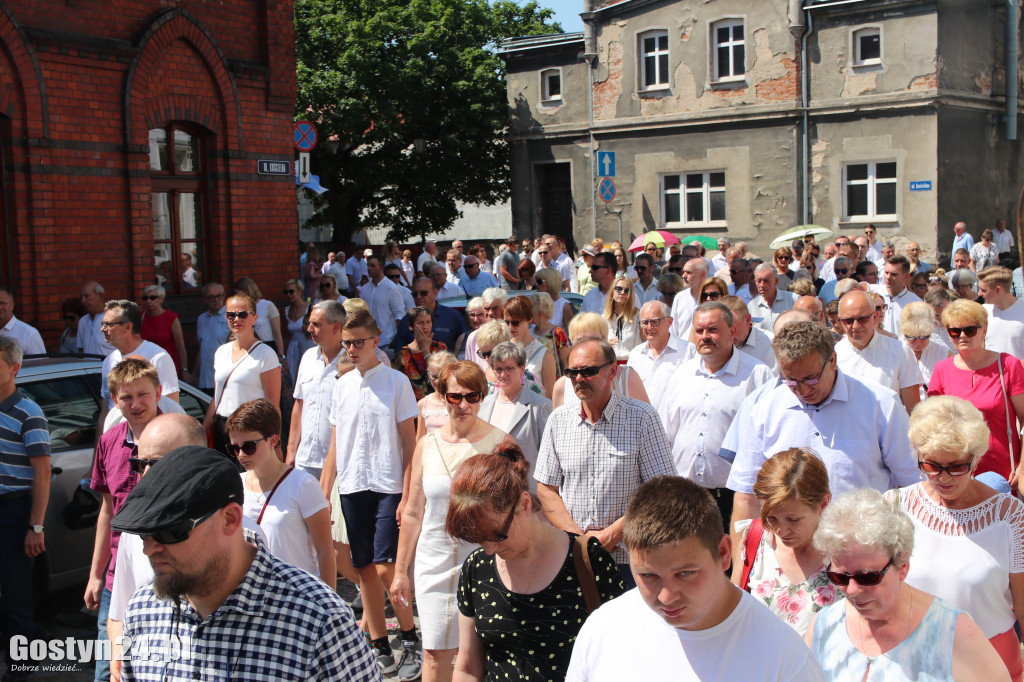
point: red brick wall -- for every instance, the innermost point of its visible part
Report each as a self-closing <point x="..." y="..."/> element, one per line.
<point x="81" y="83"/>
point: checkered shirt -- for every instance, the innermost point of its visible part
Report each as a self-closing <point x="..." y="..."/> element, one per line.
<point x="280" y="623"/>
<point x="596" y="467"/>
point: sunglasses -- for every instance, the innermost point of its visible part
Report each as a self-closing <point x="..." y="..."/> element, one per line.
<point x="621" y="290"/>
<point x="327" y="285"/>
<point x="640" y="268"/>
<point x="841" y="271"/>
<point x="358" y="343"/>
<point x="933" y="469"/>
<point x="422" y="292"/>
<point x="248" y="447"/>
<point x="653" y="322"/>
<point x="848" y="321"/>
<point x="138" y="465"/>
<point x="70" y="318"/>
<point x="514" y="323"/>
<point x="395" y="277"/>
<point x="473" y="397"/>
<point x="934" y="280"/>
<point x="864" y="579"/>
<point x="970" y="332"/>
<point x="586" y="372"/>
<point x="242" y="315"/>
<point x="598" y="267"/>
<point x="502" y="534"/>
<point x="150" y="298"/>
<point x="288" y="292"/>
<point x="484" y="355"/>
<point x="178" y="532"/>
<point x="917" y="338"/>
<point x="543" y="252"/>
<point x="880" y="308"/>
<point x="710" y="296"/>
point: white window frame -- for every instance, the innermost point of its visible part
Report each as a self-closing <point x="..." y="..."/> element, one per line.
<point x="545" y="87"/>
<point x="871" y="182"/>
<point x="733" y="77"/>
<point x="682" y="192"/>
<point x="855" y="36"/>
<point x="644" y="86"/>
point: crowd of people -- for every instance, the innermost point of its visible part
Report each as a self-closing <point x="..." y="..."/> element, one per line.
<point x="708" y="461"/>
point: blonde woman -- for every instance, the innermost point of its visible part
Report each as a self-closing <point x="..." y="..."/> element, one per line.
<point x="268" y="324"/>
<point x="552" y="336"/>
<point x="433" y="409"/>
<point x="627" y="382"/>
<point x="917" y="325"/>
<point x="549" y="281"/>
<point x="623" y="317"/>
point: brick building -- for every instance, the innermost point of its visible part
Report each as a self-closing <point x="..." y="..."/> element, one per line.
<point x="131" y="131"/>
<point x="746" y="118"/>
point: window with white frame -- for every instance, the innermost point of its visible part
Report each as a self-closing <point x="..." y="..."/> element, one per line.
<point x="693" y="198"/>
<point x="867" y="47"/>
<point x="551" y="85"/>
<point x="653" y="60"/>
<point x="870" y="191"/>
<point x="729" y="53"/>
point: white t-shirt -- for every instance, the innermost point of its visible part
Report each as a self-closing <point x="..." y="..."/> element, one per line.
<point x="243" y="384"/>
<point x="885" y="361"/>
<point x="265" y="312"/>
<point x="156" y="356"/>
<point x="1006" y="329"/>
<point x="626" y="640"/>
<point x="296" y="499"/>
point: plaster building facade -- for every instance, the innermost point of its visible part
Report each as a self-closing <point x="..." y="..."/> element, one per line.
<point x="746" y="118"/>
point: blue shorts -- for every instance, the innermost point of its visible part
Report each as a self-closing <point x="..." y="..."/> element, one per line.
<point x="372" y="527"/>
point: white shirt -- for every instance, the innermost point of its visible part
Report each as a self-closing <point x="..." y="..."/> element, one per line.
<point x="859" y="431"/>
<point x="719" y="262"/>
<point x="385" y="303"/>
<point x="156" y="356"/>
<point x="356" y="267"/>
<point x="365" y="412"/>
<point x="894" y="306"/>
<point x="743" y="292"/>
<point x="656" y="372"/>
<point x="933" y="354"/>
<point x="626" y="640"/>
<point x="698" y="417"/>
<point x="683" y="306"/>
<point x="885" y="361"/>
<point x="296" y="499"/>
<point x="189" y="277"/>
<point x="314" y="386"/>
<point x="1006" y="329"/>
<point x="26" y="335"/>
<point x="593" y="301"/>
<point x="763" y="315"/>
<point x="643" y="295"/>
<point x="565" y="266"/>
<point x="423" y="258"/>
<point x="828" y="269"/>
<point x="245" y="383"/>
<point x="450" y="290"/>
<point x="338" y="271"/>
<point x="212" y="332"/>
<point x="265" y="312"/>
<point x="90" y="337"/>
<point x="759" y="346"/>
<point x="1003" y="240"/>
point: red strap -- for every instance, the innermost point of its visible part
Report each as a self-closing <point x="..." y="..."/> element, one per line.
<point x="753" y="542"/>
<point x="272" y="491"/>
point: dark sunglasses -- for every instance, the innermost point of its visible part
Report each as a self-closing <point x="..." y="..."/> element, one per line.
<point x="710" y="295"/>
<point x="864" y="579"/>
<point x="917" y="338"/>
<point x="598" y="267"/>
<point x="422" y="292"/>
<point x="288" y="292"/>
<point x="248" y="447"/>
<point x="326" y="285"/>
<point x="502" y="534"/>
<point x="621" y="290"/>
<point x="473" y="397"/>
<point x="933" y="469"/>
<point x="483" y="355"/>
<point x="358" y="343"/>
<point x="848" y="321"/>
<point x="970" y="332"/>
<point x="138" y="465"/>
<point x="150" y="298"/>
<point x="640" y="268"/>
<point x="543" y="252"/>
<point x="586" y="372"/>
<point x="841" y="271"/>
<point x="178" y="532"/>
<point x="395" y="277"/>
<point x="242" y="315"/>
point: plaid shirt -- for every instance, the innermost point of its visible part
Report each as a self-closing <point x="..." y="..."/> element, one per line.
<point x="280" y="623"/>
<point x="596" y="467"/>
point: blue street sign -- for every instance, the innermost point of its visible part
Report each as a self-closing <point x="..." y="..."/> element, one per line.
<point x="305" y="136"/>
<point x="920" y="185"/>
<point x="606" y="164"/>
<point x="606" y="189"/>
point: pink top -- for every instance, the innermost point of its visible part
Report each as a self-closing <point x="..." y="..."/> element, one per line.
<point x="982" y="389"/>
<point x="158" y="330"/>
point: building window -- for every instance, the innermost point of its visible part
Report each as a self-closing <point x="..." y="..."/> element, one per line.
<point x="693" y="199"/>
<point x="870" y="191"/>
<point x="551" y="85"/>
<point x="654" y="60"/>
<point x="867" y="47"/>
<point x="729" y="50"/>
<point x="180" y="230"/>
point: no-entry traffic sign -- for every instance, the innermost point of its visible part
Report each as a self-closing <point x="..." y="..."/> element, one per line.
<point x="606" y="189"/>
<point x="305" y="136"/>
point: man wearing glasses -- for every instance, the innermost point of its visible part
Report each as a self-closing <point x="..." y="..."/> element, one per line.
<point x="914" y="256"/>
<point x="843" y="269"/>
<point x="826" y="268"/>
<point x="646" y="284"/>
<point x="602" y="271"/>
<point x="591" y="461"/>
<point x="655" y="359"/>
<point x="741" y="279"/>
<point x="212" y="331"/>
<point x="475" y="280"/>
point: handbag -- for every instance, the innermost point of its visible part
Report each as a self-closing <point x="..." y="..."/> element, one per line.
<point x="750" y="546"/>
<point x="1006" y="406"/>
<point x="585" y="573"/>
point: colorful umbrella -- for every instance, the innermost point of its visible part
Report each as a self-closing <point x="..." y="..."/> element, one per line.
<point x="657" y="237"/>
<point x="706" y="242"/>
<point x="799" y="232"/>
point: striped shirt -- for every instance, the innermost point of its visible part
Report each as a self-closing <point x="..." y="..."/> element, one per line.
<point x="24" y="433"/>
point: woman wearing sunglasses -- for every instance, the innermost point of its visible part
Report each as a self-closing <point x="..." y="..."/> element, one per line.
<point x="286" y="503"/>
<point x="295" y="313"/>
<point x="623" y="317"/>
<point x="268" y="321"/>
<point x="992" y="382"/>
<point x="540" y="361"/>
<point x="549" y="281"/>
<point x="917" y="325"/>
<point x="439" y="556"/>
<point x="162" y="327"/>
<point x="968" y="539"/>
<point x="885" y="629"/>
<point x="244" y="369"/>
<point x="521" y="602"/>
<point x="782" y="259"/>
<point x="433" y="408"/>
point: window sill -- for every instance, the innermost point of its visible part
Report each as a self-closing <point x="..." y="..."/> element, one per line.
<point x="857" y="222"/>
<point x="551" y="103"/>
<point x="679" y="227"/>
<point x="867" y="67"/>
<point x="654" y="93"/>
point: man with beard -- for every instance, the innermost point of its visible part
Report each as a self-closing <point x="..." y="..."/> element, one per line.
<point x="224" y="602"/>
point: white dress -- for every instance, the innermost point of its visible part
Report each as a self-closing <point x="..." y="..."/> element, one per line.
<point x="932" y="355"/>
<point x="535" y="353"/>
<point x="439" y="556"/>
<point x="298" y="344"/>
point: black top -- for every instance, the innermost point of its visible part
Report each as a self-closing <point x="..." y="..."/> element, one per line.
<point x="530" y="636"/>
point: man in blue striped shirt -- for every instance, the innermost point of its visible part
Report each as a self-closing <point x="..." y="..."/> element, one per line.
<point x="24" y="491"/>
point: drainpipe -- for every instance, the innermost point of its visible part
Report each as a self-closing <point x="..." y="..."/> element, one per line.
<point x="590" y="55"/>
<point x="801" y="28"/>
<point x="1012" y="21"/>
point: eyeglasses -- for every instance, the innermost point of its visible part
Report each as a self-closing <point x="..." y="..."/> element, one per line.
<point x="422" y="292"/>
<point x="917" y="338"/>
<point x="139" y="465"/>
<point x="881" y="308"/>
<point x="784" y="259"/>
<point x="248" y="447"/>
<point x="177" y="533"/>
<point x="150" y="298"/>
<point x="288" y="292"/>
<point x="813" y="381"/>
<point x="484" y="354"/>
<point x="326" y="285"/>
<point x="502" y="534"/>
<point x="841" y="271"/>
<point x="621" y="290"/>
<point x="358" y="343"/>
<point x="652" y="322"/>
<point x="585" y="372"/>
<point x="969" y="332"/>
<point x="241" y="314"/>
<point x="848" y="321"/>
<point x="710" y="296"/>
<point x="864" y="578"/>
<point x="108" y="325"/>
<point x="543" y="252"/>
<point x="473" y="397"/>
<point x="933" y="469"/>
<point x="505" y="370"/>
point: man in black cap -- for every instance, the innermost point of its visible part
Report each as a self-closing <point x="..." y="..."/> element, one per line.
<point x="245" y="614"/>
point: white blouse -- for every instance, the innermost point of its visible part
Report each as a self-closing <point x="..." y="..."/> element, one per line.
<point x="245" y="382"/>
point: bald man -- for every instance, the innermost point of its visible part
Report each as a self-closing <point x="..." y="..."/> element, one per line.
<point x="812" y="305"/>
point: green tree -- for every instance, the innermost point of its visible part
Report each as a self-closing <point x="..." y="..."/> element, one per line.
<point x="378" y="75"/>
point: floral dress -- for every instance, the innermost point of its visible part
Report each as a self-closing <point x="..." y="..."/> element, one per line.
<point x="554" y="341"/>
<point x="795" y="604"/>
<point x="414" y="366"/>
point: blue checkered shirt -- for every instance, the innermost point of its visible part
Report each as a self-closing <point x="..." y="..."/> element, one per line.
<point x="280" y="623"/>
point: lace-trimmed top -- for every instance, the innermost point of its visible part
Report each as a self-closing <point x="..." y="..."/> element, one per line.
<point x="966" y="556"/>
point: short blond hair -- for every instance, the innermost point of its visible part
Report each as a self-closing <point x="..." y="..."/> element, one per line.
<point x="543" y="303"/>
<point x="962" y="310"/>
<point x="997" y="275"/>
<point x="945" y="423"/>
<point x="587" y="325"/>
<point x="491" y="333"/>
<point x="917" y="319"/>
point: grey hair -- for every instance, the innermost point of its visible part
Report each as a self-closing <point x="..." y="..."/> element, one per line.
<point x="508" y="350"/>
<point x="663" y="309"/>
<point x="474" y="303"/>
<point x="129" y="313"/>
<point x="862" y="518"/>
<point x="709" y="306"/>
<point x="542" y="303"/>
<point x="11" y="350"/>
<point x="963" y="277"/>
<point x="945" y="423"/>
<point x="764" y="267"/>
<point x="97" y="288"/>
<point x="492" y="294"/>
<point x="888" y="245"/>
<point x="917" y="319"/>
<point x="333" y="311"/>
<point x="155" y="288"/>
<point x="670" y="278"/>
<point x="797" y="340"/>
<point x="842" y="260"/>
<point x="845" y="286"/>
<point x="607" y="350"/>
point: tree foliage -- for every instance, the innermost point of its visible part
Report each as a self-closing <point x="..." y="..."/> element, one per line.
<point x="376" y="75"/>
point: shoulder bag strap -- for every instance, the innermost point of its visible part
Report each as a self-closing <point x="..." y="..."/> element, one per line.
<point x="1006" y="405"/>
<point x="228" y="377"/>
<point x="585" y="573"/>
<point x="272" y="491"/>
<point x="753" y="541"/>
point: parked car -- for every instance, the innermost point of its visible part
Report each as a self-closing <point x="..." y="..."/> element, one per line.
<point x="68" y="391"/>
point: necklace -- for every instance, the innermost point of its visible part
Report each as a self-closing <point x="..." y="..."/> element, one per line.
<point x="254" y="483"/>
<point x="860" y="633"/>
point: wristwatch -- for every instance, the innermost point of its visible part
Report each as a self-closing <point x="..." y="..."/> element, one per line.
<point x="37" y="529"/>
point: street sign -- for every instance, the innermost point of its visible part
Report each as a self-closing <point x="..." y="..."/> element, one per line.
<point x="305" y="136"/>
<point x="303" y="168"/>
<point x="606" y="189"/>
<point x="920" y="185"/>
<point x="264" y="167"/>
<point x="606" y="164"/>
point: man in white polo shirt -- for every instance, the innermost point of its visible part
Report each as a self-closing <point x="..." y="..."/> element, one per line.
<point x="894" y="290"/>
<point x="771" y="301"/>
<point x="1005" y="311"/>
<point x="90" y="337"/>
<point x="655" y="359"/>
<point x="26" y="335"/>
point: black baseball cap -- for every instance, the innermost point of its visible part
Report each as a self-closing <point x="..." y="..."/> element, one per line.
<point x="186" y="484"/>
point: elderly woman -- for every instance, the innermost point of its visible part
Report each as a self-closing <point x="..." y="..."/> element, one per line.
<point x="489" y="336"/>
<point x="669" y="285"/>
<point x="549" y="281"/>
<point x="985" y="253"/>
<point x="411" y="359"/>
<point x="627" y="381"/>
<point x="781" y="567"/>
<point x="433" y="408"/>
<point x="521" y="602"/>
<point x="495" y="299"/>
<point x="439" y="556"/>
<point x="475" y="316"/>
<point x="965" y="284"/>
<point x="917" y="326"/>
<point x="993" y="382"/>
<point x="623" y="317"/>
<point x="295" y="324"/>
<point x="968" y="538"/>
<point x="162" y="327"/>
<point x="540" y="361"/>
<point x="553" y="337"/>
<point x="268" y="325"/>
<point x="781" y="260"/>
<point x="513" y="409"/>
<point x="885" y="629"/>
